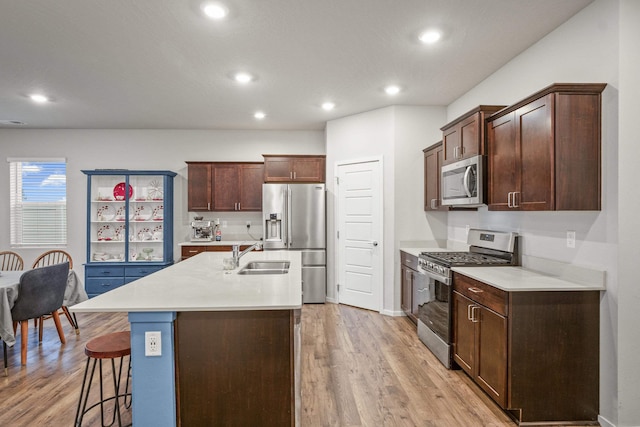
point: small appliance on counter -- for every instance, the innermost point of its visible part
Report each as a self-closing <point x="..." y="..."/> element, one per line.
<point x="201" y="230"/>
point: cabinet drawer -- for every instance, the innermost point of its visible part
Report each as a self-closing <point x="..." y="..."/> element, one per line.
<point x="99" y="285"/>
<point x="493" y="298"/>
<point x="188" y="251"/>
<point x="141" y="271"/>
<point x="409" y="260"/>
<point x="106" y="271"/>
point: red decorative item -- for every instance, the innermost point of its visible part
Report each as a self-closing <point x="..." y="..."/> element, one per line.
<point x="119" y="191"/>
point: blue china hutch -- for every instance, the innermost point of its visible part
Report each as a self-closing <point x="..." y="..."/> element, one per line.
<point x="129" y="226"/>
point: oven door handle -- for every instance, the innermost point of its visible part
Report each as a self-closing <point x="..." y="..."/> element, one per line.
<point x="443" y="279"/>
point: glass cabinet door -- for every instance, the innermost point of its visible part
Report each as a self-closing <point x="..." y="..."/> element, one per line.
<point x="127" y="218"/>
<point x="107" y="210"/>
<point x="145" y="230"/>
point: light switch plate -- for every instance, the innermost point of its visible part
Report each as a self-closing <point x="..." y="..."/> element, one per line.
<point x="571" y="239"/>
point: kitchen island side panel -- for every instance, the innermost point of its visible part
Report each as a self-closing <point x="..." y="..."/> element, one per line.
<point x="153" y="378"/>
<point x="235" y="368"/>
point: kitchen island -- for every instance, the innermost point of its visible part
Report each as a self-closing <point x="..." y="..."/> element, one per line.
<point x="229" y="342"/>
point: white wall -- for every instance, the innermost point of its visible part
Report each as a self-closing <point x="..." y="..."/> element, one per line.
<point x="398" y="135"/>
<point x="584" y="49"/>
<point x="628" y="337"/>
<point x="142" y="149"/>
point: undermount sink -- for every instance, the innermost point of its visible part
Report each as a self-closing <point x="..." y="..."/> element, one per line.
<point x="265" y="267"/>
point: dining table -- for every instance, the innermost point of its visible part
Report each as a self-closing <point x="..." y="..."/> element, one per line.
<point x="9" y="289"/>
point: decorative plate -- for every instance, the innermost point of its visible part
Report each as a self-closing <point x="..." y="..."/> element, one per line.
<point x="120" y="234"/>
<point x="105" y="233"/>
<point x="106" y="213"/>
<point x="157" y="232"/>
<point x="155" y="191"/>
<point x="144" y="234"/>
<point x="120" y="216"/>
<point x="142" y="213"/>
<point x="158" y="213"/>
<point x="119" y="191"/>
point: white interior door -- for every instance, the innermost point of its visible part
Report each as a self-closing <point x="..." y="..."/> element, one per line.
<point x="359" y="237"/>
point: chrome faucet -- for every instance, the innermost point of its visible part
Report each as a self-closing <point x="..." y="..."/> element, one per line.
<point x="237" y="254"/>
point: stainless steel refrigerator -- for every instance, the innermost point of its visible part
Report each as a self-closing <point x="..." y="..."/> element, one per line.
<point x="294" y="218"/>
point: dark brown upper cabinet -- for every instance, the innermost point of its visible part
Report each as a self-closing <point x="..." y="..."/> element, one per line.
<point x="294" y="168"/>
<point x="544" y="151"/>
<point x="465" y="136"/>
<point x="432" y="166"/>
<point x="225" y="186"/>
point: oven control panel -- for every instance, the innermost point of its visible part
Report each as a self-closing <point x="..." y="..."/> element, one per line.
<point x="431" y="266"/>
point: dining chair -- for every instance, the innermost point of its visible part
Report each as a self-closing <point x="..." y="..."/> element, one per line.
<point x="56" y="256"/>
<point x="40" y="292"/>
<point x="10" y="261"/>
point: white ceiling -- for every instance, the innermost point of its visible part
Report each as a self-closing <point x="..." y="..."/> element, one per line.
<point x="159" y="64"/>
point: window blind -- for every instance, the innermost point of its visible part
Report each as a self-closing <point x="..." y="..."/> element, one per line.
<point x="38" y="202"/>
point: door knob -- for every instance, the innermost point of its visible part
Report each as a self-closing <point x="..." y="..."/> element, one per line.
<point x="374" y="243"/>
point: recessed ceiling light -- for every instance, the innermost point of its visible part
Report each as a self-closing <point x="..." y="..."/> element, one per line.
<point x="215" y="10"/>
<point x="259" y="115"/>
<point x="39" y="98"/>
<point x="243" y="77"/>
<point x="328" y="106"/>
<point x="430" y="36"/>
<point x="392" y="90"/>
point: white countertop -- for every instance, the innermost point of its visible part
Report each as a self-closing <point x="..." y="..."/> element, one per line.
<point x="219" y="243"/>
<point x="200" y="283"/>
<point x="514" y="279"/>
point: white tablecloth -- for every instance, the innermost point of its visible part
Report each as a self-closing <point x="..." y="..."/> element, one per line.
<point x="9" y="281"/>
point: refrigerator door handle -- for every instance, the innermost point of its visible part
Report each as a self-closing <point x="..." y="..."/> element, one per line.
<point x="288" y="201"/>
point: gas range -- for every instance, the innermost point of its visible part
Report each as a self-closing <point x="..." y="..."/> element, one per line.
<point x="488" y="248"/>
<point x="432" y="289"/>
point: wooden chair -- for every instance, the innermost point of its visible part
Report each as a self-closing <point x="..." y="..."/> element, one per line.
<point x="41" y="291"/>
<point x="56" y="256"/>
<point x="11" y="261"/>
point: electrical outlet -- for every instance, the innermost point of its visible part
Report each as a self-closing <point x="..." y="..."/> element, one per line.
<point x="152" y="343"/>
<point x="248" y="224"/>
<point x="467" y="229"/>
<point x="571" y="239"/>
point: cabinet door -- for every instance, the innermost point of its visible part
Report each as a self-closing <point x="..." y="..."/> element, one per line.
<point x="308" y="169"/>
<point x="199" y="187"/>
<point x="469" y="137"/>
<point x="226" y="187"/>
<point x="450" y="144"/>
<point x="491" y="366"/>
<point x="534" y="136"/>
<point x="432" y="165"/>
<point x="277" y="169"/>
<point x="463" y="333"/>
<point x="251" y="178"/>
<point x="406" y="282"/>
<point x="503" y="164"/>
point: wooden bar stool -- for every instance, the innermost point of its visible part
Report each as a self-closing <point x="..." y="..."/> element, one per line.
<point x="110" y="346"/>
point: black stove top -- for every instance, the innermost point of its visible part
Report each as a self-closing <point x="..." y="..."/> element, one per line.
<point x="458" y="259"/>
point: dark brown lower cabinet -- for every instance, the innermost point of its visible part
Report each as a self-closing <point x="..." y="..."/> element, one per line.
<point x="236" y="368"/>
<point x="535" y="353"/>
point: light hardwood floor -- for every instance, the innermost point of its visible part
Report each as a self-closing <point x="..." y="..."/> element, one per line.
<point x="359" y="368"/>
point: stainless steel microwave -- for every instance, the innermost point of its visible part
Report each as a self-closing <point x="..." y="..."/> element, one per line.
<point x="462" y="183"/>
